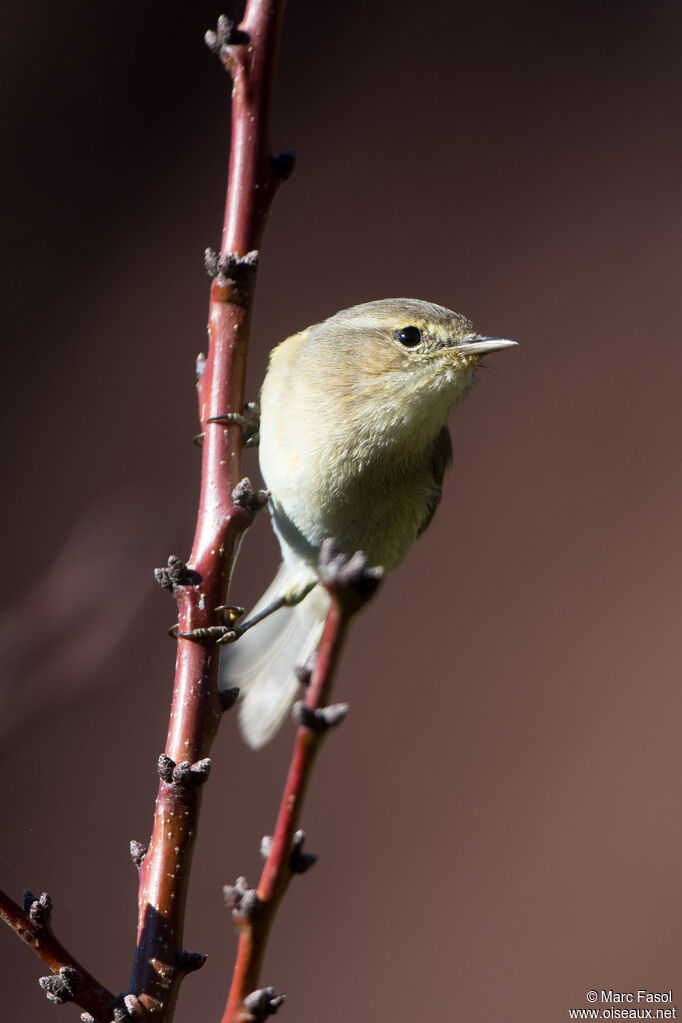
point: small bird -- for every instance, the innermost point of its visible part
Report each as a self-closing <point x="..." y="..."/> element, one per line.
<point x="354" y="444"/>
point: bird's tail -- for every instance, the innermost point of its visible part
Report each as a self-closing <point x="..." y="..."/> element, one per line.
<point x="262" y="661"/>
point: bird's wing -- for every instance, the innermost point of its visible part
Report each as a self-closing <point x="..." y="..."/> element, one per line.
<point x="441" y="456"/>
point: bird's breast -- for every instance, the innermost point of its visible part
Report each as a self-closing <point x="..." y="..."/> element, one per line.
<point x="351" y="488"/>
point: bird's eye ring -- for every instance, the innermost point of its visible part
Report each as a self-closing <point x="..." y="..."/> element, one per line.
<point x="409" y="336"/>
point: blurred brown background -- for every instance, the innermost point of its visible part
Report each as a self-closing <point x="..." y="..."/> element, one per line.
<point x="499" y="820"/>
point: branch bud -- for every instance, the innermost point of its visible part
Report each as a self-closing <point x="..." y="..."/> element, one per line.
<point x="228" y="698"/>
<point x="300" y="862"/>
<point x="226" y="34"/>
<point x="266" y="846"/>
<point x="166" y="767"/>
<point x="240" y="899"/>
<point x="284" y="164"/>
<point x="190" y="962"/>
<point x="176" y="573"/>
<point x="41" y="910"/>
<point x="248" y="499"/>
<point x="133" y="1007"/>
<point x="319" y="721"/>
<point x="263" y="1003"/>
<point x="304" y="672"/>
<point x="61" y="987"/>
<point x="350" y="581"/>
<point x="138" y="851"/>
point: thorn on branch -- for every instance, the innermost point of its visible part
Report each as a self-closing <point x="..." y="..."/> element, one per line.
<point x="138" y="851"/>
<point x="190" y="962"/>
<point x="263" y="1003"/>
<point x="240" y="899"/>
<point x="200" y="366"/>
<point x="300" y="862"/>
<point x="321" y="720"/>
<point x="228" y="698"/>
<point x="349" y="580"/>
<point x="61" y="987"/>
<point x="175" y="574"/>
<point x="226" y="34"/>
<point x="250" y="500"/>
<point x="284" y="164"/>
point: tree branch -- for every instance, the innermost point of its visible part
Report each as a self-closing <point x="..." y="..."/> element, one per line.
<point x="72" y="982"/>
<point x="350" y="584"/>
<point x="226" y="508"/>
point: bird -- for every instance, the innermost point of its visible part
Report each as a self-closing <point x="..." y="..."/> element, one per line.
<point x="353" y="446"/>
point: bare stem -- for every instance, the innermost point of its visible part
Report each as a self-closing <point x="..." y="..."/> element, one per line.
<point x="351" y="584"/>
<point x="224" y="513"/>
<point x="79" y="986"/>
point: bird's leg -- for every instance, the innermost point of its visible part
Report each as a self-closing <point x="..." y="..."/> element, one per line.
<point x="287" y="599"/>
<point x="223" y="634"/>
<point x="230" y="632"/>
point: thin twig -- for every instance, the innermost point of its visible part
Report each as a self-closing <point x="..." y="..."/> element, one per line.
<point x="351" y="584"/>
<point x="226" y="508"/>
<point x="72" y="982"/>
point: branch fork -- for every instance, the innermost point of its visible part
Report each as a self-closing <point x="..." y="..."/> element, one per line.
<point x="69" y="980"/>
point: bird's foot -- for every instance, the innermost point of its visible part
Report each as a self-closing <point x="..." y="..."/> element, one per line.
<point x="248" y="421"/>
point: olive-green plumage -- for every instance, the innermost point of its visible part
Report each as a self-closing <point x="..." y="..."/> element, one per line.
<point x="353" y="445"/>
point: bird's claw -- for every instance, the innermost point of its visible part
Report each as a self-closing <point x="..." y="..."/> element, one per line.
<point x="248" y="421"/>
<point x="230" y="612"/>
<point x="220" y="634"/>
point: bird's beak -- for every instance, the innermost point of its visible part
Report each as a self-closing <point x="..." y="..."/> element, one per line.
<point x="482" y="345"/>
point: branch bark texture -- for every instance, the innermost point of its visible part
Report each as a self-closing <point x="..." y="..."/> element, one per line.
<point x="225" y="510"/>
<point x="351" y="583"/>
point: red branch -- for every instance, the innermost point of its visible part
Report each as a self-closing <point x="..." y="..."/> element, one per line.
<point x="248" y="53"/>
<point x="249" y="56"/>
<point x="88" y="993"/>
<point x="351" y="584"/>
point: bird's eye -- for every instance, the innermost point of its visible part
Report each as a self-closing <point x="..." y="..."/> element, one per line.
<point x="409" y="336"/>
